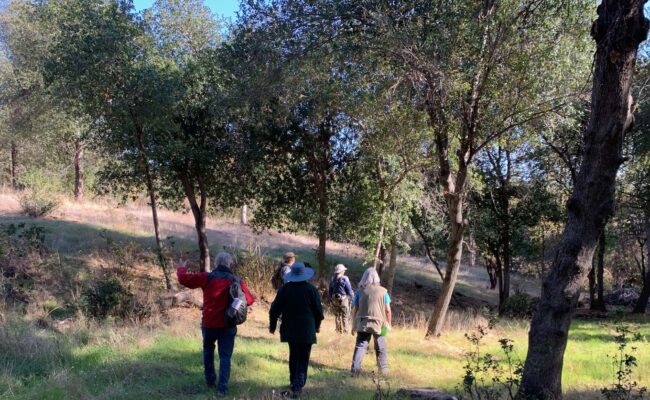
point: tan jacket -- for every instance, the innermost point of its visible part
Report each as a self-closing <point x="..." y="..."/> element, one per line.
<point x="371" y="310"/>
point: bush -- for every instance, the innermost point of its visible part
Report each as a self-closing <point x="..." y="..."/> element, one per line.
<point x="257" y="269"/>
<point x="624" y="362"/>
<point x="487" y="376"/>
<point x="520" y="305"/>
<point x="38" y="204"/>
<point x="106" y="297"/>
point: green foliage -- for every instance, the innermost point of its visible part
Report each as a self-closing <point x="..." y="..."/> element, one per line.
<point x="38" y="204"/>
<point x="41" y="197"/>
<point x="257" y="270"/>
<point x="624" y="362"/>
<point x="520" y="305"/>
<point x="488" y="377"/>
<point x="105" y="297"/>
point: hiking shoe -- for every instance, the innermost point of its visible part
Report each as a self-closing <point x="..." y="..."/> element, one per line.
<point x="291" y="394"/>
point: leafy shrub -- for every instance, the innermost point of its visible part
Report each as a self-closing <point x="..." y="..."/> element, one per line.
<point x="520" y="305"/>
<point x="106" y="297"/>
<point x="257" y="269"/>
<point x="38" y="204"/>
<point x="488" y="377"/>
<point x="40" y="199"/>
<point x="624" y="362"/>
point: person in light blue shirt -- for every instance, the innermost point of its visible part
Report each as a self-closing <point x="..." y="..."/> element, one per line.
<point x="372" y="318"/>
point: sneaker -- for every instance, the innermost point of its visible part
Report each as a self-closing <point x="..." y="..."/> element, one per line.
<point x="291" y="394"/>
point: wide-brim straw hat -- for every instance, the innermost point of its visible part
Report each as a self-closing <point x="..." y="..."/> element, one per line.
<point x="339" y="269"/>
<point x="298" y="273"/>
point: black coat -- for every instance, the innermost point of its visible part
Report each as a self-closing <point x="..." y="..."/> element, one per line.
<point x="298" y="303"/>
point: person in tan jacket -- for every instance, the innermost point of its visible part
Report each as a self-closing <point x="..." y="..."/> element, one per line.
<point x="371" y="313"/>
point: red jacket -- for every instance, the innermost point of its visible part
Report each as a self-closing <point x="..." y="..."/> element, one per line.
<point x="215" y="286"/>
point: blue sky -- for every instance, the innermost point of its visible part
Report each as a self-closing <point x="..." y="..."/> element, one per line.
<point x="227" y="8"/>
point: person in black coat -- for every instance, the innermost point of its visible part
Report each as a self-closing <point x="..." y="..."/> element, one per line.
<point x="299" y="305"/>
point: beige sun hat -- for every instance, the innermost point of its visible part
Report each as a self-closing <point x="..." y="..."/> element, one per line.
<point x="340" y="268"/>
<point x="288" y="256"/>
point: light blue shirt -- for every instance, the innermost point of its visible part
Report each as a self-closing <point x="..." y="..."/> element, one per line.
<point x="355" y="302"/>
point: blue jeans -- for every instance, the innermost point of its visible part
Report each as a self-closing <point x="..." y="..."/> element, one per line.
<point x="298" y="363"/>
<point x="225" y="339"/>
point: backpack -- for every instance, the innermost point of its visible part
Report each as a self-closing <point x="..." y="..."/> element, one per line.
<point x="276" y="279"/>
<point x="237" y="310"/>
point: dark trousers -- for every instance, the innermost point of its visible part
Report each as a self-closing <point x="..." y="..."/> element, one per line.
<point x="381" y="351"/>
<point x="225" y="339"/>
<point x="298" y="362"/>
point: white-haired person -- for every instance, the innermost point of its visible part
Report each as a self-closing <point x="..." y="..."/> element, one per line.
<point x="340" y="293"/>
<point x="215" y="328"/>
<point x="371" y="312"/>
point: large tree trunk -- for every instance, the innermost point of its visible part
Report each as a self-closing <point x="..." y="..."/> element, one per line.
<point x="392" y="265"/>
<point x="323" y="213"/>
<point x="78" y="172"/>
<point x="199" y="214"/>
<point x="618" y="31"/>
<point x="454" y="254"/>
<point x="600" y="274"/>
<point x="151" y="190"/>
<point x="13" y="168"/>
<point x="642" y="304"/>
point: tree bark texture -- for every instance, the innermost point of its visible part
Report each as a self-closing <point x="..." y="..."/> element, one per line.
<point x="244" y="215"/>
<point x="151" y="190"/>
<point x="323" y="215"/>
<point x="392" y="265"/>
<point x="592" y="287"/>
<point x="642" y="304"/>
<point x="454" y="254"/>
<point x="618" y="31"/>
<point x="199" y="213"/>
<point x="600" y="273"/>
<point x="14" y="165"/>
<point x="78" y="172"/>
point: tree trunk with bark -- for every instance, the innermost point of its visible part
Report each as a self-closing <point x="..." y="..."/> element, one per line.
<point x="454" y="254"/>
<point x="14" y="165"/>
<point x="323" y="214"/>
<point x="642" y="304"/>
<point x="471" y="248"/>
<point x="151" y="190"/>
<point x="244" y="215"/>
<point x="392" y="265"/>
<point x="618" y="31"/>
<point x="199" y="213"/>
<point x="592" y="287"/>
<point x="600" y="274"/>
<point x="78" y="172"/>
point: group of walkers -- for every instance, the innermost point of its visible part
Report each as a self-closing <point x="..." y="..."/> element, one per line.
<point x="297" y="305"/>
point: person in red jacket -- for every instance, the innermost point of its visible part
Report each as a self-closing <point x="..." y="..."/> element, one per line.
<point x="214" y="327"/>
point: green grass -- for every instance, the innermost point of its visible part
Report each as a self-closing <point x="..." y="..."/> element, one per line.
<point x="163" y="361"/>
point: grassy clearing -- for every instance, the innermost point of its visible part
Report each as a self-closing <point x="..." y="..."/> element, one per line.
<point x="162" y="360"/>
<point x="161" y="357"/>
